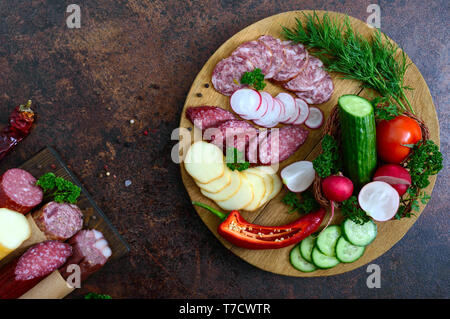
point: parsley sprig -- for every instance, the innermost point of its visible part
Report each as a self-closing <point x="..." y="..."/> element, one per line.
<point x="58" y="189"/>
<point x="235" y="160"/>
<point x="329" y="162"/>
<point x="351" y="210"/>
<point x="255" y="78"/>
<point x="303" y="205"/>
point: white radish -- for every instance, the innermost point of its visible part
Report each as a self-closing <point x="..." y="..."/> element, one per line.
<point x="289" y="105"/>
<point x="315" y="118"/>
<point x="304" y="112"/>
<point x="379" y="200"/>
<point x="245" y="101"/>
<point x="266" y="105"/>
<point x="298" y="176"/>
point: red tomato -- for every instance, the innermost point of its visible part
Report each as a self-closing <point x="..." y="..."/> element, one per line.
<point x="393" y="134"/>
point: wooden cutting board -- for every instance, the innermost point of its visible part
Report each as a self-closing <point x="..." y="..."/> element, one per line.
<point x="275" y="212"/>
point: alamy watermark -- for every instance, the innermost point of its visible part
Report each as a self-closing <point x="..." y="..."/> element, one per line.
<point x="73" y="21"/>
<point x="374" y="20"/>
<point x="374" y="279"/>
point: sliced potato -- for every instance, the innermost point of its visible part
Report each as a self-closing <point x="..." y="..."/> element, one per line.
<point x="204" y="162"/>
<point x="219" y="184"/>
<point x="228" y="191"/>
<point x="259" y="190"/>
<point x="14" y="230"/>
<point x="241" y="199"/>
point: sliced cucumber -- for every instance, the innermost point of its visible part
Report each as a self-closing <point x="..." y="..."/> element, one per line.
<point x="359" y="235"/>
<point x="326" y="242"/>
<point x="346" y="252"/>
<point x="323" y="261"/>
<point x="306" y="247"/>
<point x="298" y="262"/>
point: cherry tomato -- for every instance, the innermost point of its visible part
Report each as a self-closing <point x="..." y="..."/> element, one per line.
<point x="392" y="135"/>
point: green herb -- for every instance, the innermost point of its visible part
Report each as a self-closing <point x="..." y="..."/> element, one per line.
<point x="235" y="160"/>
<point x="384" y="110"/>
<point x="344" y="50"/>
<point x="350" y="209"/>
<point x="93" y="295"/>
<point x="306" y="204"/>
<point x="255" y="78"/>
<point x="58" y="189"/>
<point x="329" y="162"/>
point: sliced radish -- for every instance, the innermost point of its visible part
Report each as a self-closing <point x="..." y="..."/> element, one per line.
<point x="298" y="176"/>
<point x="315" y="118"/>
<point x="280" y="107"/>
<point x="270" y="119"/>
<point x="245" y="101"/>
<point x="395" y="175"/>
<point x="289" y="105"/>
<point x="266" y="105"/>
<point x="294" y="117"/>
<point x="304" y="112"/>
<point x="379" y="200"/>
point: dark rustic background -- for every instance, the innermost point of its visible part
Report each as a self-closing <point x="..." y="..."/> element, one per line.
<point x="136" y="60"/>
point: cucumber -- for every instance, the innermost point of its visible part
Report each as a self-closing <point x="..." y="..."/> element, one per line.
<point x="323" y="261"/>
<point x="306" y="247"/>
<point x="359" y="151"/>
<point x="346" y="252"/>
<point x="357" y="234"/>
<point x="326" y="242"/>
<point x="298" y="262"/>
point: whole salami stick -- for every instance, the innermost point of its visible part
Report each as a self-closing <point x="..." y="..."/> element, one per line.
<point x="20" y="122"/>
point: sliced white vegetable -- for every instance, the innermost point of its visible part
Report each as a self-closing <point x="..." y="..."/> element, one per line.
<point x="204" y="162"/>
<point x="379" y="200"/>
<point x="315" y="118"/>
<point x="245" y="101"/>
<point x="289" y="105"/>
<point x="298" y="176"/>
<point x="266" y="105"/>
<point x="304" y="112"/>
<point x="271" y="117"/>
<point x="280" y="107"/>
<point x="292" y="119"/>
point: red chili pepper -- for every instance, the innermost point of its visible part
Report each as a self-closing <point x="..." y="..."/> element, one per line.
<point x="235" y="229"/>
<point x="20" y="123"/>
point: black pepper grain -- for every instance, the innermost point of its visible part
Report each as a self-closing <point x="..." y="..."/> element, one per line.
<point x="206" y="85"/>
<point x="199" y="94"/>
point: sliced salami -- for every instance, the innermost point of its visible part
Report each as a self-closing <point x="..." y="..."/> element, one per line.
<point x="59" y="221"/>
<point x="296" y="59"/>
<point x="276" y="49"/>
<point x="18" y="191"/>
<point x="320" y="94"/>
<point x="90" y="251"/>
<point x="307" y="79"/>
<point x="228" y="73"/>
<point x="42" y="259"/>
<point x="205" y="117"/>
<point x="234" y="133"/>
<point x="257" y="52"/>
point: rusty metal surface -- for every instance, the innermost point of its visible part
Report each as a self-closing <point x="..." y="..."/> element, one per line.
<point x="136" y="60"/>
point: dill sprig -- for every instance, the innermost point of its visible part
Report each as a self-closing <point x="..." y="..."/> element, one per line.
<point x="344" y="50"/>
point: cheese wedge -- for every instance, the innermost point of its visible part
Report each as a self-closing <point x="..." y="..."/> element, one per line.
<point x="14" y="230"/>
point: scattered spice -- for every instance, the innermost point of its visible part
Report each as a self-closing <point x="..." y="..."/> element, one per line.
<point x="199" y="94"/>
<point x="131" y="121"/>
<point x="53" y="166"/>
<point x="127" y="183"/>
<point x="108" y="173"/>
<point x="206" y="85"/>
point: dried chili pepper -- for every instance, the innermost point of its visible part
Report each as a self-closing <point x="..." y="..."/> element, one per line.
<point x="235" y="229"/>
<point x="20" y="123"/>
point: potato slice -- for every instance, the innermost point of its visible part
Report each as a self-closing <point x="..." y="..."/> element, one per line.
<point x="259" y="190"/>
<point x="14" y="230"/>
<point x="204" y="162"/>
<point x="217" y="185"/>
<point x="228" y="191"/>
<point x="241" y="199"/>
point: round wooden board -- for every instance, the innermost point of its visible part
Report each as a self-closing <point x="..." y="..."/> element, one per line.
<point x="275" y="212"/>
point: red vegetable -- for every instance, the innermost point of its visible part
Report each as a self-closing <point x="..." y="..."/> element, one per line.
<point x="20" y="123"/>
<point x="395" y="175"/>
<point x="396" y="137"/>
<point x="241" y="233"/>
<point x="336" y="189"/>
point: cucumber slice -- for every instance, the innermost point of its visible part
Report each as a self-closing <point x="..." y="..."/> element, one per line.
<point x="326" y="242"/>
<point x="346" y="252"/>
<point x="306" y="247"/>
<point x="298" y="262"/>
<point x="323" y="261"/>
<point x="359" y="235"/>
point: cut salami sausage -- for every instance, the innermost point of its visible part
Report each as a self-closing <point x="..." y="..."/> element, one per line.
<point x="59" y="221"/>
<point x="18" y="191"/>
<point x="276" y="48"/>
<point x="234" y="133"/>
<point x="307" y="79"/>
<point x="228" y="72"/>
<point x="90" y="251"/>
<point x="205" y="117"/>
<point x="320" y="94"/>
<point x="295" y="58"/>
<point x="257" y="52"/>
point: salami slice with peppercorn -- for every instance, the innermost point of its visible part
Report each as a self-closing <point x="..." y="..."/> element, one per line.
<point x="295" y="58"/>
<point x="257" y="52"/>
<point x="18" y="191"/>
<point x="205" y="117"/>
<point x="228" y="73"/>
<point x="321" y="93"/>
<point x="307" y="79"/>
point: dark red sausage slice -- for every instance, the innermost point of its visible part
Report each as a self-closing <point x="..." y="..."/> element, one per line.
<point x="205" y="117"/>
<point x="234" y="134"/>
<point x="59" y="221"/>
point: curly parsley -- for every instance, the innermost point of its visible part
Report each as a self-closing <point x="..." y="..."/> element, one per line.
<point x="352" y="211"/>
<point x="235" y="160"/>
<point x="329" y="162"/>
<point x="61" y="190"/>
<point x="306" y="204"/>
<point x="255" y="78"/>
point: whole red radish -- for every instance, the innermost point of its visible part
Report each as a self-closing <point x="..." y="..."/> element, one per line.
<point x="395" y="175"/>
